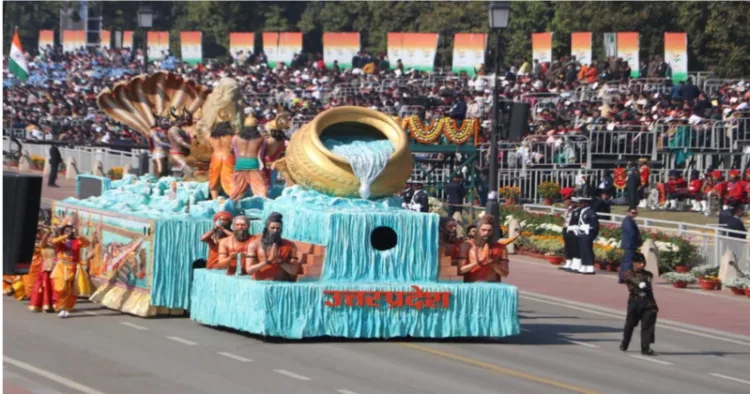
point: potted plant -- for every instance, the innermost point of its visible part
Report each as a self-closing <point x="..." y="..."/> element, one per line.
<point x="549" y="191"/>
<point x="554" y="249"/>
<point x="738" y="286"/>
<point x="707" y="276"/>
<point x="510" y="194"/>
<point x="678" y="280"/>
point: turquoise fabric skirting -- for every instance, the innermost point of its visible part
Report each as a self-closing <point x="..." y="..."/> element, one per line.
<point x="298" y="310"/>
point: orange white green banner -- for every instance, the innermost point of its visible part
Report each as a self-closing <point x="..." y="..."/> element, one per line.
<point x="415" y="50"/>
<point x="675" y="54"/>
<point x="628" y="47"/>
<point x="340" y="47"/>
<point x="46" y="37"/>
<point x="158" y="44"/>
<point x="191" y="47"/>
<point x="541" y="47"/>
<point x="468" y="52"/>
<point x="127" y="39"/>
<point x="244" y="42"/>
<point x="580" y="46"/>
<point x="73" y="40"/>
<point x="281" y="47"/>
<point x="106" y="39"/>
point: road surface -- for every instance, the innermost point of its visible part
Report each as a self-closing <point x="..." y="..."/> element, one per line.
<point x="563" y="348"/>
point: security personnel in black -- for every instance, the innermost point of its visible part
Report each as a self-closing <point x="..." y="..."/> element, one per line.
<point x="407" y="194"/>
<point x="420" y="201"/>
<point x="641" y="306"/>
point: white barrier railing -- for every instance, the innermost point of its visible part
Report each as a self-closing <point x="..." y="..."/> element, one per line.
<point x="85" y="157"/>
<point x="711" y="241"/>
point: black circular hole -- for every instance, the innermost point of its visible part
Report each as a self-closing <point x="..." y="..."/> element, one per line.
<point x="383" y="238"/>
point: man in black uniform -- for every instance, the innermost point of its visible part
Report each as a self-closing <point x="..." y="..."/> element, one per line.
<point x="55" y="158"/>
<point x="588" y="230"/>
<point x="406" y="195"/>
<point x="570" y="225"/>
<point x="641" y="306"/>
<point x="420" y="201"/>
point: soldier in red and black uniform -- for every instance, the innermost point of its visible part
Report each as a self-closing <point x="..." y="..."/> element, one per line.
<point x="694" y="190"/>
<point x="676" y="189"/>
<point x="737" y="190"/>
<point x="720" y="186"/>
<point x="645" y="174"/>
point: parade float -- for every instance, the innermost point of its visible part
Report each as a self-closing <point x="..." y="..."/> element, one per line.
<point x="370" y="269"/>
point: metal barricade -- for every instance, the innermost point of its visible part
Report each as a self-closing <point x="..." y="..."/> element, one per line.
<point x="558" y="150"/>
<point x="622" y="143"/>
<point x="702" y="138"/>
<point x="640" y="85"/>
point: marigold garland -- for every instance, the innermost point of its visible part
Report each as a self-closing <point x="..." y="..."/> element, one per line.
<point x="444" y="126"/>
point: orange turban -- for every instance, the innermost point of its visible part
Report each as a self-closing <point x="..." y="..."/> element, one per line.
<point x="223" y="215"/>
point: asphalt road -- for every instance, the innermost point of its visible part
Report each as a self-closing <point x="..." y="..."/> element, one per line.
<point x="563" y="348"/>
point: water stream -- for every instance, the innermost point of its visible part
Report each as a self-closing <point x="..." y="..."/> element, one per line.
<point x="367" y="155"/>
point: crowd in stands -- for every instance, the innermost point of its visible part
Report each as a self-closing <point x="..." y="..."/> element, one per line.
<point x="567" y="97"/>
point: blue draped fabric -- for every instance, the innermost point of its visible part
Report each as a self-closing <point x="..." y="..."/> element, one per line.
<point x="177" y="245"/>
<point x="297" y="310"/>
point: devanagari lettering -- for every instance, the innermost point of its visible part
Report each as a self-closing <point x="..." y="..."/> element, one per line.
<point x="417" y="298"/>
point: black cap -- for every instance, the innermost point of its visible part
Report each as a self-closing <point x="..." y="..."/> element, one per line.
<point x="639" y="258"/>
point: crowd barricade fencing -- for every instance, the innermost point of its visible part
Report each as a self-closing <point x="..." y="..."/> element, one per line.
<point x="640" y="85"/>
<point x="622" y="143"/>
<point x="711" y="85"/>
<point x="85" y="157"/>
<point x="712" y="242"/>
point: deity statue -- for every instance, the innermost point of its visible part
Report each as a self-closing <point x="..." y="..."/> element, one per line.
<point x="224" y="104"/>
<point x="140" y="102"/>
<point x="179" y="141"/>
<point x="221" y="169"/>
<point x="270" y="257"/>
<point x="160" y="146"/>
<point x="274" y="146"/>
<point x="247" y="170"/>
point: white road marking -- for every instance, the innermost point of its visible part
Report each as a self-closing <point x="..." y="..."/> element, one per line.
<point x="291" y="374"/>
<point x="583" y="344"/>
<point x="235" y="357"/>
<point x="718" y="375"/>
<point x="622" y="315"/>
<point x="133" y="325"/>
<point x="182" y="341"/>
<point x="344" y="391"/>
<point x="51" y="376"/>
<point x="653" y="360"/>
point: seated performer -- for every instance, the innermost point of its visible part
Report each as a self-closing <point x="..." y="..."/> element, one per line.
<point x="221" y="168"/>
<point x="213" y="237"/>
<point x="737" y="191"/>
<point x="270" y="257"/>
<point x="449" y="236"/>
<point x="486" y="261"/>
<point x="63" y="276"/>
<point x="236" y="245"/>
<point x="694" y="191"/>
<point x="247" y="169"/>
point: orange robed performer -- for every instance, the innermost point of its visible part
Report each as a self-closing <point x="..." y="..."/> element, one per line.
<point x="41" y="295"/>
<point x="248" y="168"/>
<point x="214" y="236"/>
<point x="221" y="169"/>
<point x="486" y="261"/>
<point x="269" y="257"/>
<point x="274" y="146"/>
<point x="236" y="245"/>
<point x="63" y="276"/>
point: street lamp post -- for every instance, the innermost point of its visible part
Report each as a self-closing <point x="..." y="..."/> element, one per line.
<point x="499" y="13"/>
<point x="145" y="21"/>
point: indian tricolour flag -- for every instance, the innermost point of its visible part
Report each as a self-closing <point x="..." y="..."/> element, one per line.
<point x="17" y="63"/>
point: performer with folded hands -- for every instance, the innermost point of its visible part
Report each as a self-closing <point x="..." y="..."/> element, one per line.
<point x="486" y="261"/>
<point x="270" y="257"/>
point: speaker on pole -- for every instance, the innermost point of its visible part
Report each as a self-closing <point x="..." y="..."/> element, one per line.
<point x="22" y="196"/>
<point x="519" y="121"/>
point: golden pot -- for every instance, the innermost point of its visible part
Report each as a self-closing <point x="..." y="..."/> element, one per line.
<point x="309" y="163"/>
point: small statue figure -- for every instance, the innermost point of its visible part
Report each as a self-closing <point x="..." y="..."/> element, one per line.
<point x="160" y="146"/>
<point x="221" y="169"/>
<point x="247" y="169"/>
<point x="179" y="141"/>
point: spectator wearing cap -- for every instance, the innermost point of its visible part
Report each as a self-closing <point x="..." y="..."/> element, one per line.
<point x="729" y="219"/>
